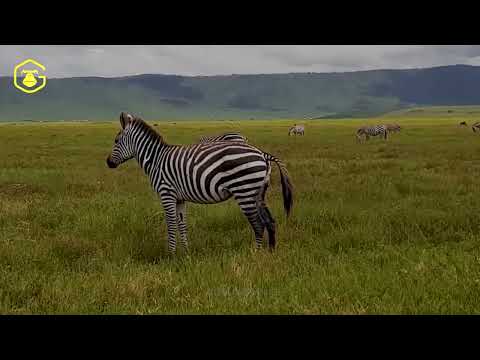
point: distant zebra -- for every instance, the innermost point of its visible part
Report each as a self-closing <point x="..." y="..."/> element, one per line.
<point x="476" y="126"/>
<point x="463" y="123"/>
<point x="297" y="129"/>
<point x="393" y="127"/>
<point x="206" y="173"/>
<point x="223" y="137"/>
<point x="372" y="131"/>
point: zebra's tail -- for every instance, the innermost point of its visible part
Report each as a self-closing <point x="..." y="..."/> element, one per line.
<point x="287" y="187"/>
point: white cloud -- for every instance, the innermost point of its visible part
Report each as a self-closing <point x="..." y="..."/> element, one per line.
<point x="116" y="60"/>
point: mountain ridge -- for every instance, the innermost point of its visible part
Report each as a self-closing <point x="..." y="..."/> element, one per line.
<point x="241" y="96"/>
<point x="259" y="74"/>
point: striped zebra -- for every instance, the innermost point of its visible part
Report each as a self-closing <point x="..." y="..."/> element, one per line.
<point x="223" y="137"/>
<point x="393" y="127"/>
<point x="372" y="131"/>
<point x="476" y="126"/>
<point x="296" y="129"/>
<point x="207" y="173"/>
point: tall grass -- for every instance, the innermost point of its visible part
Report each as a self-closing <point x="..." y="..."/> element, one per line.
<point x="381" y="227"/>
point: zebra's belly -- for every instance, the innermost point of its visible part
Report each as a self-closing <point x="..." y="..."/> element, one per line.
<point x="221" y="197"/>
<point x="201" y="192"/>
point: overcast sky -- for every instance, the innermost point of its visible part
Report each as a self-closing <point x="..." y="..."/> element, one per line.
<point x="109" y="60"/>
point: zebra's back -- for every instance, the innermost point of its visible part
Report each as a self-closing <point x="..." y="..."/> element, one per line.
<point x="223" y="137"/>
<point x="375" y="130"/>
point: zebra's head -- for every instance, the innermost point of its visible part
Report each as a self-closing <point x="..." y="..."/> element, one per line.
<point x="359" y="133"/>
<point x="123" y="148"/>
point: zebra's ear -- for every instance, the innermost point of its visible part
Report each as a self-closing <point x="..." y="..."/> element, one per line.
<point x="125" y="119"/>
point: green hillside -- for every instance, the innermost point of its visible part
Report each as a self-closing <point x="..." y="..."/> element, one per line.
<point x="437" y="112"/>
<point x="309" y="95"/>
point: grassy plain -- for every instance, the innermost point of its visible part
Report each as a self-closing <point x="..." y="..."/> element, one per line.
<point x="377" y="228"/>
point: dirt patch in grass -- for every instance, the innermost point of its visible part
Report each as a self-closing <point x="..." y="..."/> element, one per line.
<point x="21" y="190"/>
<point x="81" y="190"/>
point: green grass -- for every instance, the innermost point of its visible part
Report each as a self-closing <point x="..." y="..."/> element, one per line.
<point x="382" y="227"/>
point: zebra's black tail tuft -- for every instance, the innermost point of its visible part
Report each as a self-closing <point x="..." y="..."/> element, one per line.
<point x="287" y="187"/>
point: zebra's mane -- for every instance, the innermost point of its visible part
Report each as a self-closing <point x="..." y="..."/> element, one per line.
<point x="147" y="129"/>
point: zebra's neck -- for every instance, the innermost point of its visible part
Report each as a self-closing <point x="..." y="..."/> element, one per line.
<point x="148" y="148"/>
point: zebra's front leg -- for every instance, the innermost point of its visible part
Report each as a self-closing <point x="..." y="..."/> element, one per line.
<point x="169" y="203"/>
<point x="182" y="223"/>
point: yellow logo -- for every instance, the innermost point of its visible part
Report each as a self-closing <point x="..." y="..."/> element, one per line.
<point x="27" y="79"/>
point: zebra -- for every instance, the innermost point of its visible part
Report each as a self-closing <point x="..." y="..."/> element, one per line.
<point x="393" y="127"/>
<point x="206" y="173"/>
<point x="223" y="137"/>
<point x="296" y="129"/>
<point x="476" y="126"/>
<point x="372" y="131"/>
<point x="463" y="123"/>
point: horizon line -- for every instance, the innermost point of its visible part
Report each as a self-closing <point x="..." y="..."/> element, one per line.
<point x="252" y="74"/>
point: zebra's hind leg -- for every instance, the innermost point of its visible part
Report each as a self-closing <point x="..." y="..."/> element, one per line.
<point x="182" y="223"/>
<point x="266" y="217"/>
<point x="248" y="205"/>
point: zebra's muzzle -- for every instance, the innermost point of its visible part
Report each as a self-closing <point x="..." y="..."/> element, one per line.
<point x="110" y="163"/>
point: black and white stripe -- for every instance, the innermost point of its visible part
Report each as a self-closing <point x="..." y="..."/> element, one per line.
<point x="223" y="137"/>
<point x="476" y="126"/>
<point x="375" y="130"/>
<point x="202" y="173"/>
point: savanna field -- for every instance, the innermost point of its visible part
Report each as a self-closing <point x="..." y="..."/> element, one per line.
<point x="377" y="228"/>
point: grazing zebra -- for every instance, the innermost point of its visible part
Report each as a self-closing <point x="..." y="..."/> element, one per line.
<point x="372" y="131"/>
<point x="296" y="129"/>
<point x="393" y="127"/>
<point x="223" y="137"/>
<point x="476" y="126"/>
<point x="463" y="123"/>
<point x="202" y="173"/>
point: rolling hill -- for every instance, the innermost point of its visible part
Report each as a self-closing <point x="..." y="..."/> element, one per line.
<point x="296" y="95"/>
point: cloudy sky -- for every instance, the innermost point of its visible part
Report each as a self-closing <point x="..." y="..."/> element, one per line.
<point x="109" y="60"/>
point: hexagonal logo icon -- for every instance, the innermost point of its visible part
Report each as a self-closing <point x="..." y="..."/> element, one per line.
<point x="29" y="77"/>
